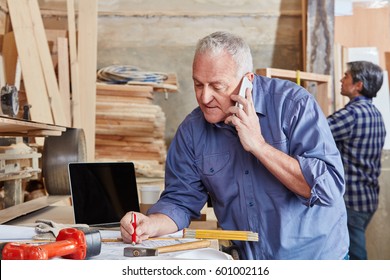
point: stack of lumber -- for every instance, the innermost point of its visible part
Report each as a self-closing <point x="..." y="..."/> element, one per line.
<point x="130" y="128"/>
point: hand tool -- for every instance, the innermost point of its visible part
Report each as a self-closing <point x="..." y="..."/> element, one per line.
<point x="47" y="229"/>
<point x="143" y="252"/>
<point x="71" y="243"/>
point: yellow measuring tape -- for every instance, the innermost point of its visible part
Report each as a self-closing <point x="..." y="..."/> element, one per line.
<point x="298" y="77"/>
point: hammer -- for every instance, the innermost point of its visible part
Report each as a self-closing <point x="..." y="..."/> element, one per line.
<point x="71" y="243"/>
<point x="144" y="252"/>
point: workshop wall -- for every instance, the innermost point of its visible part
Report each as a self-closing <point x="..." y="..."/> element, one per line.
<point x="161" y="35"/>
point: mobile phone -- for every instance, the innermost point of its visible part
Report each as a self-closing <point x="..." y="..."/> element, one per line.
<point x="245" y="83"/>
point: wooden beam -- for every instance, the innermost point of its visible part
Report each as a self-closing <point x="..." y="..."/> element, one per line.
<point x="33" y="77"/>
<point x="74" y="66"/>
<point x="47" y="64"/>
<point x="13" y="212"/>
<point x="87" y="57"/>
<point x="304" y="33"/>
<point x="10" y="57"/>
<point x="63" y="77"/>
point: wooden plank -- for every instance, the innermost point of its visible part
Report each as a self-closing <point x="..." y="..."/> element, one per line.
<point x="11" y="125"/>
<point x="52" y="36"/>
<point x="338" y="74"/>
<point x="304" y="33"/>
<point x="290" y="74"/>
<point x="102" y="98"/>
<point x="16" y="211"/>
<point x="340" y="63"/>
<point x="131" y="89"/>
<point x="33" y="77"/>
<point x="87" y="57"/>
<point x="121" y="138"/>
<point x="323" y="98"/>
<point x="63" y="77"/>
<point x="2" y="74"/>
<point x="74" y="66"/>
<point x="387" y="64"/>
<point x="47" y="64"/>
<point x="137" y="141"/>
<point x="7" y="22"/>
<point x="10" y="57"/>
<point x="125" y="107"/>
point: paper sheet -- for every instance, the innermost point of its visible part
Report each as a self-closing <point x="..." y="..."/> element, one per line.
<point x="9" y="233"/>
<point x="114" y="251"/>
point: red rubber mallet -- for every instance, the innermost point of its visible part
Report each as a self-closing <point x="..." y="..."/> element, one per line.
<point x="71" y="243"/>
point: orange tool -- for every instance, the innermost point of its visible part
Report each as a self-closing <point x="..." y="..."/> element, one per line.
<point x="71" y="243"/>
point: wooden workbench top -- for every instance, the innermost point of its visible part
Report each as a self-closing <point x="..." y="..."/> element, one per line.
<point x="19" y="127"/>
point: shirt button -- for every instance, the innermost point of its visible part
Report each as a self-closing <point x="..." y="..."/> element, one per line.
<point x="212" y="170"/>
<point x="251" y="204"/>
<point x="246" y="172"/>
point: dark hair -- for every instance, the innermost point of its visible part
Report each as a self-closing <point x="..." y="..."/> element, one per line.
<point x="369" y="73"/>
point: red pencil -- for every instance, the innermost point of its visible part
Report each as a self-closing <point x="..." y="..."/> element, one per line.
<point x="134" y="224"/>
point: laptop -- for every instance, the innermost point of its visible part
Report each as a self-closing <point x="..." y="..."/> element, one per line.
<point x="102" y="192"/>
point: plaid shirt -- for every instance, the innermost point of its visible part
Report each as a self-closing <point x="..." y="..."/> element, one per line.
<point x="359" y="132"/>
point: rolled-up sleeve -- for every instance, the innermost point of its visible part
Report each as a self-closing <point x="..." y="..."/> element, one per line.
<point x="312" y="144"/>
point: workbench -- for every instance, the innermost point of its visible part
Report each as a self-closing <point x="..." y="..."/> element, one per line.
<point x="114" y="250"/>
<point x="61" y="212"/>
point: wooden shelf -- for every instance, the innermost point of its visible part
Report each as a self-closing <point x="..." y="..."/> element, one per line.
<point x="18" y="127"/>
<point x="324" y="84"/>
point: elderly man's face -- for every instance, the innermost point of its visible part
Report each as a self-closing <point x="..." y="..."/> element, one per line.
<point x="215" y="80"/>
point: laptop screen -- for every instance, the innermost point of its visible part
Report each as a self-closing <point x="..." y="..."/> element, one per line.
<point x="102" y="192"/>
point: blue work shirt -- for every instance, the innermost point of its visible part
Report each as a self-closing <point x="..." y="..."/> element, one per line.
<point x="206" y="158"/>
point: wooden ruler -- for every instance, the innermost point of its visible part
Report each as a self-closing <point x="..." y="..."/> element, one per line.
<point x="185" y="246"/>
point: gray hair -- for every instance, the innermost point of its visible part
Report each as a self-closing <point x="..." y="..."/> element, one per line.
<point x="369" y="73"/>
<point x="220" y="41"/>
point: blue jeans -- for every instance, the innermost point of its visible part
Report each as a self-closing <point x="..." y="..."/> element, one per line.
<point x="357" y="224"/>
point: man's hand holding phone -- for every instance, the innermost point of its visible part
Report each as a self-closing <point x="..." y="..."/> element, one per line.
<point x="245" y="119"/>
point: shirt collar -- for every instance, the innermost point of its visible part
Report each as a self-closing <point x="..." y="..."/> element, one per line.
<point x="258" y="96"/>
<point x="360" y="98"/>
